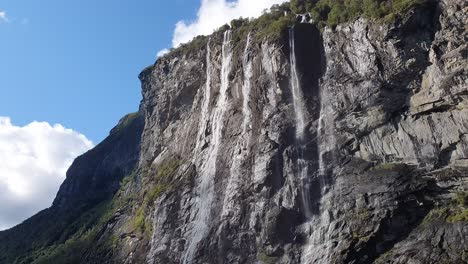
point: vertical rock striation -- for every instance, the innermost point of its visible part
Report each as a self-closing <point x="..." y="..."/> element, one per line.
<point x="347" y="145"/>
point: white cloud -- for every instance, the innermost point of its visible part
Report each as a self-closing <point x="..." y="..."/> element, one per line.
<point x="162" y="52"/>
<point x="215" y="13"/>
<point x="3" y="16"/>
<point x="33" y="162"/>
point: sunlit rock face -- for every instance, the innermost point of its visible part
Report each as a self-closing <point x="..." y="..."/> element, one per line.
<point x="337" y="152"/>
<point x="337" y="146"/>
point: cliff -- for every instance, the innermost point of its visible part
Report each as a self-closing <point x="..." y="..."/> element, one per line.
<point x="340" y="145"/>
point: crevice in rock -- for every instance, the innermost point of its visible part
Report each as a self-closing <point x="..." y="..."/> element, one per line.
<point x="445" y="154"/>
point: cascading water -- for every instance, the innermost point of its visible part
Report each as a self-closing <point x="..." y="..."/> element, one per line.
<point x="242" y="149"/>
<point x="206" y="100"/>
<point x="298" y="98"/>
<point x="320" y="151"/>
<point x="246" y="87"/>
<point x="207" y="171"/>
<point x="299" y="110"/>
<point x="317" y="226"/>
<point x="319" y="243"/>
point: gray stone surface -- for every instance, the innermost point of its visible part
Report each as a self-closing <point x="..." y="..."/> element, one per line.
<point x="386" y="117"/>
<point x="385" y="146"/>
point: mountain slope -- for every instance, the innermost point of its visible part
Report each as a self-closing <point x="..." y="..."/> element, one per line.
<point x="83" y="199"/>
<point x="269" y="144"/>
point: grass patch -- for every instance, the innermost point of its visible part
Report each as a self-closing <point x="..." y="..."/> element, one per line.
<point x="458" y="216"/>
<point x="157" y="191"/>
<point x="113" y="241"/>
<point x="167" y="169"/>
<point x="461" y="213"/>
<point x="461" y="198"/>
<point x="268" y="259"/>
<point x="85" y="235"/>
<point x="161" y="180"/>
<point x="139" y="222"/>
<point x="454" y="212"/>
<point x="90" y="229"/>
<point x="390" y="167"/>
<point x="160" y="183"/>
<point x="125" y="122"/>
<point x="128" y="179"/>
<point x="436" y="214"/>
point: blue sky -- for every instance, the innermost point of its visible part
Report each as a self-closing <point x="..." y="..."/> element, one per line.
<point x="76" y="62"/>
<point x="73" y="66"/>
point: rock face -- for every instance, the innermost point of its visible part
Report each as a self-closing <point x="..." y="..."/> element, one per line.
<point x="350" y="148"/>
<point x="92" y="178"/>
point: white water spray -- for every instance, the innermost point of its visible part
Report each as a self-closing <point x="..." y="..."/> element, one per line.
<point x="231" y="202"/>
<point x="316" y="247"/>
<point x="299" y="110"/>
<point x="205" y="111"/>
<point x="208" y="169"/>
<point x="298" y="97"/>
<point x="247" y="87"/>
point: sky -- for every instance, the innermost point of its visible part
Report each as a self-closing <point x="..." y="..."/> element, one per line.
<point x="68" y="73"/>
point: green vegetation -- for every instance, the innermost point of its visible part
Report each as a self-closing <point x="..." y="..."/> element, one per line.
<point x="270" y="26"/>
<point x="113" y="241"/>
<point x="125" y="122"/>
<point x="384" y="256"/>
<point x="167" y="169"/>
<point x="333" y="12"/>
<point x="157" y="191"/>
<point x="161" y="182"/>
<point x="130" y="178"/>
<point x="74" y="236"/>
<point x="197" y="44"/>
<point x="461" y="198"/>
<point x="268" y="259"/>
<point x="460" y="214"/>
<point x="139" y="222"/>
<point x="274" y="22"/>
<point x="361" y="237"/>
<point x="91" y="224"/>
<point x="363" y="214"/>
<point x="454" y="212"/>
<point x="389" y="167"/>
<point x="435" y="214"/>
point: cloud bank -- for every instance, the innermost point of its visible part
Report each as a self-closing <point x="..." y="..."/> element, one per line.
<point x="33" y="163"/>
<point x="215" y="13"/>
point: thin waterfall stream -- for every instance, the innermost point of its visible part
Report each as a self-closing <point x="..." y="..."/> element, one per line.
<point x="208" y="169"/>
<point x="237" y="176"/>
<point x="299" y="112"/>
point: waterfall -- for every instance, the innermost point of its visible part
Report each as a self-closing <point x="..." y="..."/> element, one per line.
<point x="319" y="243"/>
<point x="298" y="97"/>
<point x="320" y="151"/>
<point x="205" y="108"/>
<point x="231" y="202"/>
<point x="299" y="112"/>
<point x="207" y="169"/>
<point x="318" y="226"/>
<point x="246" y="87"/>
